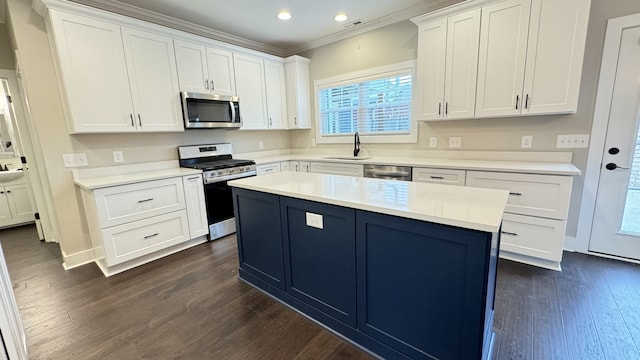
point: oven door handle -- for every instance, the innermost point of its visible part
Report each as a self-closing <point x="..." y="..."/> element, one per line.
<point x="229" y="177"/>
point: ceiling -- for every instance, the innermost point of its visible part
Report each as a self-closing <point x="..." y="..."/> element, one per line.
<point x="255" y="21"/>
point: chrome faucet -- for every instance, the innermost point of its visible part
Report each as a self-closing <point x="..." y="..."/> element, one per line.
<point x="356" y="144"/>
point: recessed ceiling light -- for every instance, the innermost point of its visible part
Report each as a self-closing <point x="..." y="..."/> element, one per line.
<point x="284" y="15"/>
<point x="340" y="17"/>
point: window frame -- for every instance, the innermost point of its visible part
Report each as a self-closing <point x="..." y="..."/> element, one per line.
<point x="362" y="76"/>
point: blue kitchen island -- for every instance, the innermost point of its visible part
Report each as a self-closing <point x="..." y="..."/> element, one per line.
<point x="404" y="270"/>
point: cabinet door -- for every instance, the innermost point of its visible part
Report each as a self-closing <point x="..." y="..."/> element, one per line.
<point x="298" y="97"/>
<point x="222" y="79"/>
<point x="557" y="36"/>
<point x="321" y="260"/>
<point x="154" y="81"/>
<point x="250" y="86"/>
<point x="503" y="46"/>
<point x="20" y="203"/>
<point x="532" y="236"/>
<point x="276" y="94"/>
<point x="432" y="45"/>
<point x="196" y="206"/>
<point x="5" y="212"/>
<point x="191" y="60"/>
<point x="93" y="73"/>
<point x="260" y="247"/>
<point x="304" y="166"/>
<point x="462" y="65"/>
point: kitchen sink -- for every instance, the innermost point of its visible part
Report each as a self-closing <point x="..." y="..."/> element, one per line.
<point x="347" y="157"/>
<point x="6" y="176"/>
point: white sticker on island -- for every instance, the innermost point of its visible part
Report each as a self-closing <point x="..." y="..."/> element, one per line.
<point x="314" y="220"/>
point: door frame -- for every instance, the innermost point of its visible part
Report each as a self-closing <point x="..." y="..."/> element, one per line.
<point x="606" y="83"/>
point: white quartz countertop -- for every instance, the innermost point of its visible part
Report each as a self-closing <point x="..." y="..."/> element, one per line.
<point x="533" y="167"/>
<point x="466" y="207"/>
<point x="98" y="182"/>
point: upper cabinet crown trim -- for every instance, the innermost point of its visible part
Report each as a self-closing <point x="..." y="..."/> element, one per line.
<point x="450" y="10"/>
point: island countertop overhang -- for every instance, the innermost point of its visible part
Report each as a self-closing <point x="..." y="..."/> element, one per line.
<point x="466" y="207"/>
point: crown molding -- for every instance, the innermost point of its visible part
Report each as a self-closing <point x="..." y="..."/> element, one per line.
<point x="120" y="8"/>
<point x="367" y="26"/>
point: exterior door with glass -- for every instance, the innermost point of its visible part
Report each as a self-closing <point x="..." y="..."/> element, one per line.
<point x="616" y="223"/>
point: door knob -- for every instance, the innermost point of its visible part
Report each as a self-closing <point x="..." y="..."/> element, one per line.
<point x="613" y="166"/>
<point x="614" y="151"/>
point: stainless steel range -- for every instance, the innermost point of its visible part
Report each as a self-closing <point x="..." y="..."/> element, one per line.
<point x="218" y="166"/>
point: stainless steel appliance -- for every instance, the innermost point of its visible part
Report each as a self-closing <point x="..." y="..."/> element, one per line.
<point x="207" y="111"/>
<point x="218" y="166"/>
<point x="388" y="172"/>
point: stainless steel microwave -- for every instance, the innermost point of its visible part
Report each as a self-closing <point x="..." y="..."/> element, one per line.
<point x="206" y="111"/>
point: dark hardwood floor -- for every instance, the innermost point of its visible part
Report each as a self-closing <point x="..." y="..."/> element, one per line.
<point x="192" y="306"/>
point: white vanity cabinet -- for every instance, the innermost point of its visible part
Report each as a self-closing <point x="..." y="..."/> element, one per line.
<point x="204" y="69"/>
<point x="531" y="55"/>
<point x="298" y="97"/>
<point x="447" y="66"/>
<point x="15" y="205"/>
<point x="134" y="223"/>
<point x="439" y="176"/>
<point x="136" y="87"/>
<point x="535" y="216"/>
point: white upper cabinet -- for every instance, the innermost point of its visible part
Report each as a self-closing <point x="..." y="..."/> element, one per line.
<point x="250" y="85"/>
<point x="555" y="52"/>
<point x="298" y="96"/>
<point x="153" y="80"/>
<point x="93" y="74"/>
<point x="205" y="69"/>
<point x="115" y="79"/>
<point x="276" y="94"/>
<point x="447" y="67"/>
<point x="503" y="50"/>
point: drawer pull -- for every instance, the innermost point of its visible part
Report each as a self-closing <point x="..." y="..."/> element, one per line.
<point x="509" y="233"/>
<point x="145" y="200"/>
<point x="437" y="177"/>
<point x="194" y="178"/>
<point x="152" y="235"/>
<point x="515" y="194"/>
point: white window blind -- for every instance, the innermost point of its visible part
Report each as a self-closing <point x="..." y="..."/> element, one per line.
<point x="378" y="104"/>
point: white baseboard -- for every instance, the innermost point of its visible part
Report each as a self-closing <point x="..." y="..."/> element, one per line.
<point x="78" y="259"/>
<point x="571" y="244"/>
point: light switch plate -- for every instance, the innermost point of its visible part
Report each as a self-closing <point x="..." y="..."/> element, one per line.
<point x="75" y="160"/>
<point x="455" y="142"/>
<point x="572" y="141"/>
<point x="118" y="156"/>
<point x="526" y="141"/>
<point x="314" y="220"/>
<point x="433" y="142"/>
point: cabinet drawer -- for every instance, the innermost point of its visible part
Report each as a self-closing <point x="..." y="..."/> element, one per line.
<point x="439" y="176"/>
<point x="267" y="168"/>
<point x="529" y="194"/>
<point x="532" y="236"/>
<point x="132" y="240"/>
<point x="121" y="204"/>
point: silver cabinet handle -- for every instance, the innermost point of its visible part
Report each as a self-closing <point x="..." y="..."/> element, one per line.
<point x="212" y="85"/>
<point x="439" y="108"/>
<point x="139" y="120"/>
<point x="131" y="117"/>
<point x="446" y="108"/>
<point x="437" y="177"/>
<point x="145" y="200"/>
<point x="515" y="193"/>
<point x="295" y="120"/>
<point x="517" y="101"/>
<point x="194" y="178"/>
<point x="152" y="235"/>
<point x="206" y="84"/>
<point x="270" y="122"/>
<point x="509" y="233"/>
<point x="526" y="102"/>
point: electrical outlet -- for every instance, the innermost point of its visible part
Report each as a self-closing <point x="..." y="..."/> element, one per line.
<point x="526" y="141"/>
<point x="75" y="160"/>
<point x="261" y="145"/>
<point x="118" y="157"/>
<point x="572" y="141"/>
<point x="455" y="142"/>
<point x="433" y="142"/>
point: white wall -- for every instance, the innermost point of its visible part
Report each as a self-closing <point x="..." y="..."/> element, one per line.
<point x="398" y="42"/>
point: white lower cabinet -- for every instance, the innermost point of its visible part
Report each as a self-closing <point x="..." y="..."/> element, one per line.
<point x="535" y="216"/>
<point x="132" y="224"/>
<point x="336" y="169"/>
<point x="15" y="205"/>
<point x="439" y="176"/>
<point x="299" y="166"/>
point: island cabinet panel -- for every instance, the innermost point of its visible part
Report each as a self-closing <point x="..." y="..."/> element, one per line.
<point x="423" y="288"/>
<point x="321" y="256"/>
<point x="260" y="246"/>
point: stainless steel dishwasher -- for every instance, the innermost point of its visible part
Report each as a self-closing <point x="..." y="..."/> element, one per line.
<point x="388" y="172"/>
